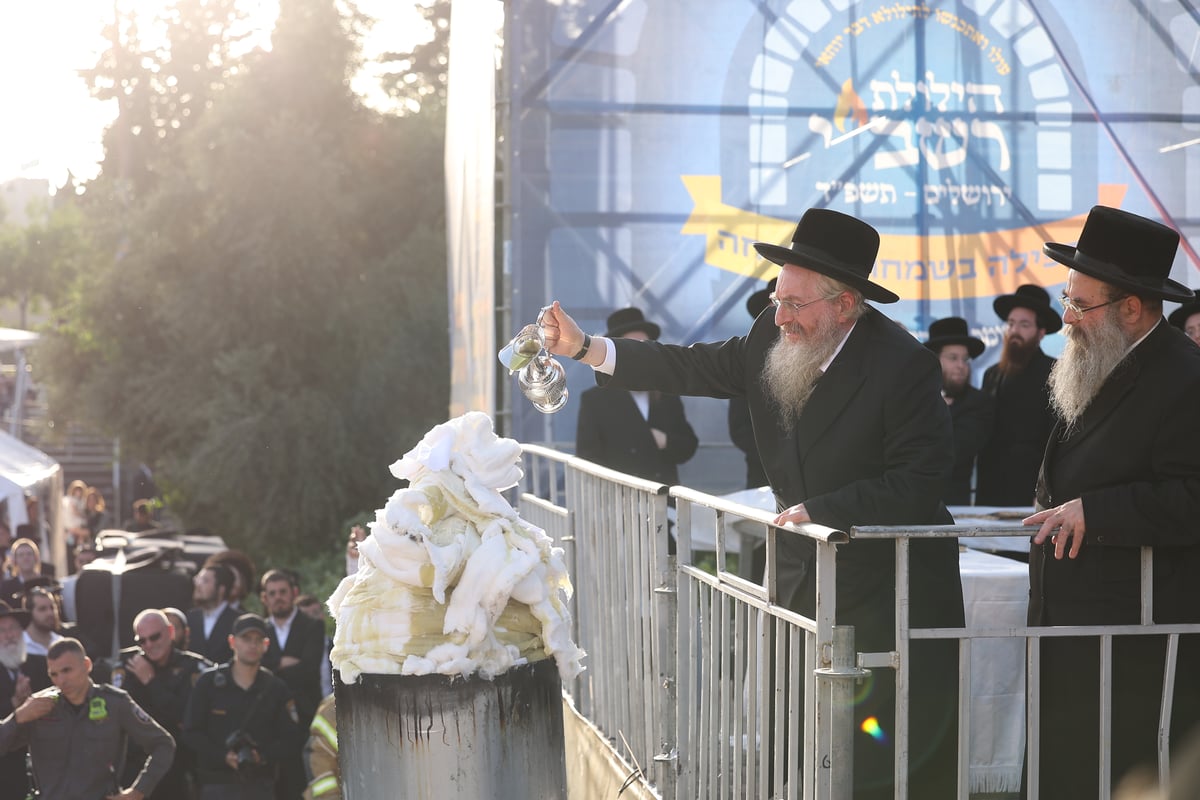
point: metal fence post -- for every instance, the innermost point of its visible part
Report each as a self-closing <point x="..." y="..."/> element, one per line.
<point x="839" y="679"/>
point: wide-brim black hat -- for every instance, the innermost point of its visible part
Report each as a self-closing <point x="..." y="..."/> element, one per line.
<point x="1179" y="316"/>
<point x="836" y="245"/>
<point x="1130" y="252"/>
<point x="630" y="319"/>
<point x="1036" y="299"/>
<point x="19" y="614"/>
<point x="757" y="302"/>
<point x="953" y="330"/>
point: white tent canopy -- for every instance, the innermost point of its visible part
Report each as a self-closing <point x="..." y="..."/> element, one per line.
<point x="26" y="470"/>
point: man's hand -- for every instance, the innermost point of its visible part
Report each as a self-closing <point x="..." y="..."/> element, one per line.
<point x="34" y="709"/>
<point x="563" y="335"/>
<point x="140" y="666"/>
<point x="357" y="534"/>
<point x="660" y="438"/>
<point x="288" y="661"/>
<point x="1068" y="518"/>
<point x="128" y="794"/>
<point x="231" y="759"/>
<point x="21" y="690"/>
<point x="795" y="514"/>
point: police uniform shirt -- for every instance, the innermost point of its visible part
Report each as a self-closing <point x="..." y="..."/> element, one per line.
<point x="219" y="707"/>
<point x="166" y="696"/>
<point x="76" y="749"/>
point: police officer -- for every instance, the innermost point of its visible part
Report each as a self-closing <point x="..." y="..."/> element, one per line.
<point x="241" y="721"/>
<point x="76" y="733"/>
<point x="160" y="677"/>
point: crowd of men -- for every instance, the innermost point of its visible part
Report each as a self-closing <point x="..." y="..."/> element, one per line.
<point x="214" y="703"/>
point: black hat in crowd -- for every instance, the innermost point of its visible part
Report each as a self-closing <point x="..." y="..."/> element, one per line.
<point x="19" y="614"/>
<point x="630" y="319"/>
<point x="836" y="245"/>
<point x="1130" y="252"/>
<point x="758" y="301"/>
<point x="953" y="330"/>
<point x="250" y="622"/>
<point x="1036" y="299"/>
<point x="1179" y="316"/>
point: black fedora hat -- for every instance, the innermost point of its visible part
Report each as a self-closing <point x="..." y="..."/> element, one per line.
<point x="758" y="301"/>
<point x="630" y="319"/>
<point x="836" y="245"/>
<point x="20" y="614"/>
<point x="1130" y="252"/>
<point x="953" y="330"/>
<point x="1036" y="299"/>
<point x="1179" y="316"/>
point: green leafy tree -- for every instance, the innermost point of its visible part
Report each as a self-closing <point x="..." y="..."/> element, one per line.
<point x="417" y="79"/>
<point x="38" y="261"/>
<point x="272" y="331"/>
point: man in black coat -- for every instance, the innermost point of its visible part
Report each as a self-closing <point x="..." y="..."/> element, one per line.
<point x="211" y="621"/>
<point x="1008" y="463"/>
<point x="20" y="676"/>
<point x="1121" y="471"/>
<point x="852" y="430"/>
<point x="639" y="433"/>
<point x="971" y="410"/>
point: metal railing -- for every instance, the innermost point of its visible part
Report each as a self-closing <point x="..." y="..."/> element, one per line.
<point x="691" y="673"/>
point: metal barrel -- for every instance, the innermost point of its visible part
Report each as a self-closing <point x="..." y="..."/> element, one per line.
<point x="422" y="737"/>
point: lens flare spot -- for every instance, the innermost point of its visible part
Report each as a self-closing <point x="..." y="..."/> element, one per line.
<point x="870" y="726"/>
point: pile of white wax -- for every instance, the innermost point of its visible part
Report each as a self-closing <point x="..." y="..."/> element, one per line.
<point x="451" y="580"/>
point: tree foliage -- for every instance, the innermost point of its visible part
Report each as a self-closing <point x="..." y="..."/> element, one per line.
<point x="417" y="79"/>
<point x="270" y="329"/>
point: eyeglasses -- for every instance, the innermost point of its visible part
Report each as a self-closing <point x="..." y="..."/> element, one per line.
<point x="792" y="306"/>
<point x="1078" y="310"/>
<point x="151" y="639"/>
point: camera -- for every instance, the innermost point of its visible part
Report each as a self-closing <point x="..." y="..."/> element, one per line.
<point x="244" y="746"/>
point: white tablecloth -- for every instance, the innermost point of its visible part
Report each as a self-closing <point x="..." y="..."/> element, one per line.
<point x="995" y="595"/>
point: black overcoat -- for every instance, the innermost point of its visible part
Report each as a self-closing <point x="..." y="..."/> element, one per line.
<point x="1134" y="459"/>
<point x="873" y="447"/>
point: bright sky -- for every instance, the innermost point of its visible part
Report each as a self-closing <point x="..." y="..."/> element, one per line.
<point x="49" y="124"/>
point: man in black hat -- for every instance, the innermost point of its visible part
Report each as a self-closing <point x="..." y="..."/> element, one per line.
<point x="20" y="676"/>
<point x="1008" y="462"/>
<point x="1187" y="319"/>
<point x="1121" y="471"/>
<point x="971" y="410"/>
<point x="741" y="428"/>
<point x="852" y="430"/>
<point x="642" y="433"/>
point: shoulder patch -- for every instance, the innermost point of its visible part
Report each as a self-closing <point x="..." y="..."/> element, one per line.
<point x="140" y="714"/>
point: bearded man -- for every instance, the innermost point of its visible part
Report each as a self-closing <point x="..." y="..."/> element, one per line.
<point x="1008" y="462"/>
<point x="20" y="676"/>
<point x="852" y="430"/>
<point x="1121" y="471"/>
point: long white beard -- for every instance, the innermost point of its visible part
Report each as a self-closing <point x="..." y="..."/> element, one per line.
<point x="1087" y="361"/>
<point x="792" y="368"/>
<point x="13" y="655"/>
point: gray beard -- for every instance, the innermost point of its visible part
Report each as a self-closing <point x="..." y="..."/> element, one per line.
<point x="13" y="655"/>
<point x="792" y="369"/>
<point x="1087" y="361"/>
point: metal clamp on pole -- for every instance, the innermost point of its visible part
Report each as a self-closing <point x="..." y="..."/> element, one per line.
<point x="836" y="753"/>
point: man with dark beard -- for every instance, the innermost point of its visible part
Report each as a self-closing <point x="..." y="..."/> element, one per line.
<point x="1121" y="471"/>
<point x="971" y="410"/>
<point x="851" y="430"/>
<point x="1008" y="462"/>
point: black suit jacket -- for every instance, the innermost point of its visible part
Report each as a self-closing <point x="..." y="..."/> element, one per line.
<point x="306" y="641"/>
<point x="1008" y="463"/>
<point x="613" y="433"/>
<point x="1134" y="459"/>
<point x="873" y="447"/>
<point x="216" y="647"/>
<point x="972" y="414"/>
